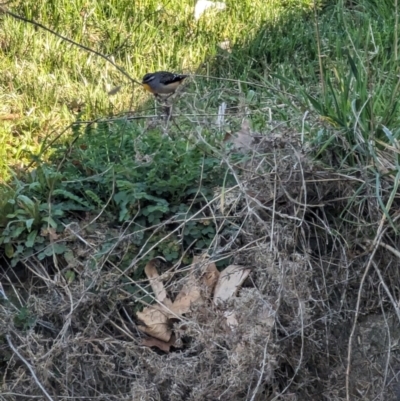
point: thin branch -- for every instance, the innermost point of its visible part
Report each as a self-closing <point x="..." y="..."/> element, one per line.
<point x="388" y="293"/>
<point x="376" y="242"/>
<point x="261" y="373"/>
<point x="27" y="364"/>
<point x="83" y="47"/>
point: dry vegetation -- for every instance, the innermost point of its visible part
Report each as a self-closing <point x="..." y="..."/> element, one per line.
<point x="309" y="278"/>
<point x="286" y="166"/>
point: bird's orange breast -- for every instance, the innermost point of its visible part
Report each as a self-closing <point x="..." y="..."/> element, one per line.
<point x="148" y="88"/>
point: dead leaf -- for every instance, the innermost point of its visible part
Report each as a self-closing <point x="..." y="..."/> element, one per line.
<point x="208" y="270"/>
<point x="9" y="117"/>
<point x="155" y="281"/>
<point x="210" y="276"/>
<point x="156" y="319"/>
<point x="231" y="319"/>
<point x="156" y="323"/>
<point x="188" y="296"/>
<point x="229" y="282"/>
<point x="191" y="293"/>
<point x="162" y="345"/>
<point x="50" y="232"/>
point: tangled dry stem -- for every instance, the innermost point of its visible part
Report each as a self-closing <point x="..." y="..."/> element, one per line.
<point x="313" y="321"/>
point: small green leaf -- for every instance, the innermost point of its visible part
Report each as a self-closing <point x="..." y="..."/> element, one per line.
<point x="51" y="221"/>
<point x="93" y="196"/>
<point x="70" y="276"/>
<point x="16" y="232"/>
<point x="59" y="248"/>
<point x="50" y="250"/>
<point x="26" y="201"/>
<point x="31" y="239"/>
<point x="29" y="223"/>
<point x="200" y="244"/>
<point x="69" y="257"/>
<point x="9" y="250"/>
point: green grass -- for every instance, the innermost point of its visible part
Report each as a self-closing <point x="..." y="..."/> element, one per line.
<point x="45" y="76"/>
<point x="346" y="104"/>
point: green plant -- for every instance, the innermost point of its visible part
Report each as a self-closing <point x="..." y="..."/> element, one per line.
<point x="144" y="179"/>
<point x="25" y="222"/>
<point x="357" y="101"/>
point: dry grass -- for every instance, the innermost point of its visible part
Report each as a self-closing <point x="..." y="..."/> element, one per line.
<point x="311" y="271"/>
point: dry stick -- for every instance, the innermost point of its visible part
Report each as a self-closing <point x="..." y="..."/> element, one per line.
<point x="261" y="373"/>
<point x="49" y="144"/>
<point x="389" y="346"/>
<point x="243" y="82"/>
<point x="16" y="352"/>
<point x="88" y="49"/>
<point x="118" y="117"/>
<point x="83" y="47"/>
<point x="272" y="242"/>
<point x="299" y="365"/>
<point x="388" y="247"/>
<point x="376" y="242"/>
<point x="378" y="272"/>
<point x="388" y="293"/>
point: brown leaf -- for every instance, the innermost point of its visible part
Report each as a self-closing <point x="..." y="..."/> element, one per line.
<point x="210" y="276"/>
<point x="229" y="282"/>
<point x="156" y="323"/>
<point x="9" y="117"/>
<point x="155" y="281"/>
<point x="209" y="271"/>
<point x="189" y="295"/>
<point x="50" y="232"/>
<point x="162" y="345"/>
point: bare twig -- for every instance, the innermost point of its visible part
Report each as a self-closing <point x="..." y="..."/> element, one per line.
<point x="28" y="365"/>
<point x="83" y="47"/>
<point x="376" y="242"/>
<point x="264" y="363"/>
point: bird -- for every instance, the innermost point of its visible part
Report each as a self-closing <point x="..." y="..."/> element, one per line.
<point x="162" y="83"/>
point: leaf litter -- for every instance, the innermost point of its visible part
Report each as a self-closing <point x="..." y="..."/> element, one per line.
<point x="197" y="289"/>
